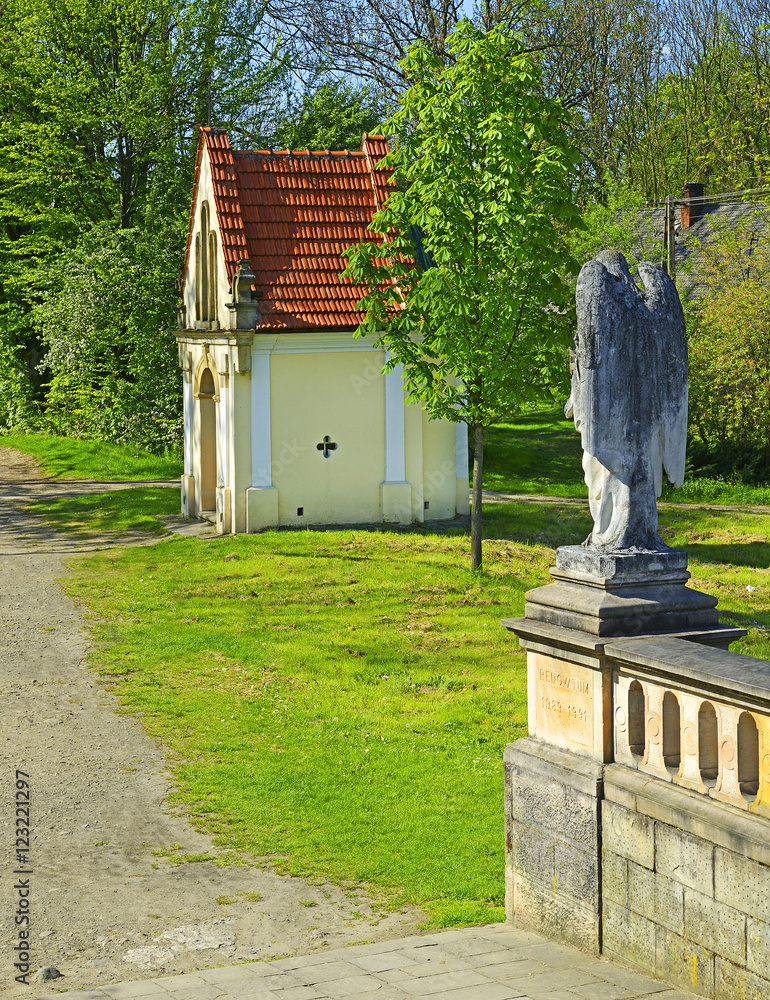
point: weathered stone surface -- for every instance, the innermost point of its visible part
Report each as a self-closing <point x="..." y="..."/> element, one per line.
<point x="703" y="817"/>
<point x="715" y="926"/>
<point x="614" y="877"/>
<point x="757" y="946"/>
<point x="684" y="858"/>
<point x="733" y="983"/>
<point x="561" y="919"/>
<point x="532" y="853"/>
<point x="629" y="397"/>
<point x="550" y="791"/>
<point x="628" y="834"/>
<point x="658" y="898"/>
<point x="628" y="936"/>
<point x="683" y="963"/>
<point x="738" y="878"/>
<point x="576" y="873"/>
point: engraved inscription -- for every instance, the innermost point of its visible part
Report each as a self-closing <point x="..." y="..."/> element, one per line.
<point x="563" y="695"/>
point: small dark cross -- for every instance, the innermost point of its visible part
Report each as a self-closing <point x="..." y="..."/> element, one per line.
<point x="327" y="446"/>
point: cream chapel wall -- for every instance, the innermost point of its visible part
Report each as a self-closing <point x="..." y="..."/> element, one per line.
<point x="205" y="192"/>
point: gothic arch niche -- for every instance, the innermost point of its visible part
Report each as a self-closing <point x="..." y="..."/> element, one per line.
<point x="207" y="396"/>
<point x="206" y="272"/>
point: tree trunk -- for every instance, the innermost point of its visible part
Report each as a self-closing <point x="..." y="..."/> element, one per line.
<point x="478" y="469"/>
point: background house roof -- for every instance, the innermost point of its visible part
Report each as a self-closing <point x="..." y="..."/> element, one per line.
<point x="292" y="214"/>
<point x="692" y="243"/>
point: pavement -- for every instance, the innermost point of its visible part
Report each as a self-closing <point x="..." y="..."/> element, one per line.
<point x="496" y="962"/>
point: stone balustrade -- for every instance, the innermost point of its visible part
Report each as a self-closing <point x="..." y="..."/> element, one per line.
<point x="695" y="716"/>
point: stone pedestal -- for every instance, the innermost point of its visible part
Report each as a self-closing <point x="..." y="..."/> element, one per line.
<point x="554" y="778"/>
<point x="637" y="592"/>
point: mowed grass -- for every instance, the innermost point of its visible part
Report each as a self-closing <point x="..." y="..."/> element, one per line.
<point x="116" y="511"/>
<point x="340" y="701"/>
<point x="539" y="453"/>
<point x="535" y="453"/>
<point x="71" y="458"/>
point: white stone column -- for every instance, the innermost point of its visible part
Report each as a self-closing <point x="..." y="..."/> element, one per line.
<point x="262" y="498"/>
<point x="187" y="396"/>
<point x="395" y="491"/>
<point x="261" y="448"/>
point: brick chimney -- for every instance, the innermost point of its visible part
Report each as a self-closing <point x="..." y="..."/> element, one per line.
<point x="690" y="212"/>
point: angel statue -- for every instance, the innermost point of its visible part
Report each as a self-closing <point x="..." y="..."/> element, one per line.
<point x="629" y="398"/>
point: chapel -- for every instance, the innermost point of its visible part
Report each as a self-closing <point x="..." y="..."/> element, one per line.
<point x="288" y="419"/>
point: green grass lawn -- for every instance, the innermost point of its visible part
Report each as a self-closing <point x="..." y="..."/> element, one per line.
<point x="71" y="458"/>
<point x="134" y="509"/>
<point x="339" y="701"/>
<point x="539" y="453"/>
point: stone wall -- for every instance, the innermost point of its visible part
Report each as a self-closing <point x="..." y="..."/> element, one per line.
<point x="552" y="824"/>
<point x="685" y="887"/>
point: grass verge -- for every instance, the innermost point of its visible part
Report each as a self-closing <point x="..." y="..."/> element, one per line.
<point x="340" y="701"/>
<point x="539" y="453"/>
<point x="135" y="509"/>
<point x="71" y="458"/>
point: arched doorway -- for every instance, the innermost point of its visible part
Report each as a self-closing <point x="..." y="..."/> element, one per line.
<point x="208" y="424"/>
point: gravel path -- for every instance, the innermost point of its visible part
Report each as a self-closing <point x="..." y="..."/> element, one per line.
<point x="105" y="907"/>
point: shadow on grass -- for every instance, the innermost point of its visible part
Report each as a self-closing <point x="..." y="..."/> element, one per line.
<point x="119" y="510"/>
<point x="534" y="453"/>
<point x="753" y="554"/>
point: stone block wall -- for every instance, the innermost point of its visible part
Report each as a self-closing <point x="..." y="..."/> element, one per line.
<point x="552" y="821"/>
<point x="685" y="887"/>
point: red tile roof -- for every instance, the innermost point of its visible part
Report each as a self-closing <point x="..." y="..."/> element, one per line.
<point x="292" y="214"/>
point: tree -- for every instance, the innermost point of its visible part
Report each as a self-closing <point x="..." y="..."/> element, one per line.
<point x="483" y="167"/>
<point x="333" y="115"/>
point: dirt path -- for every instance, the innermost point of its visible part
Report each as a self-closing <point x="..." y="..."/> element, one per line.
<point x="105" y="907"/>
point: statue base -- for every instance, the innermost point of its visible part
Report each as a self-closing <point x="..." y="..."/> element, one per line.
<point x="625" y="593"/>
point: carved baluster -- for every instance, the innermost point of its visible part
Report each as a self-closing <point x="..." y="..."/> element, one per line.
<point x="727" y="788"/>
<point x="653" y="762"/>
<point x="623" y="753"/>
<point x="762" y="802"/>
<point x="690" y="775"/>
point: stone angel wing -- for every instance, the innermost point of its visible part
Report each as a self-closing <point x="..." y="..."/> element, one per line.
<point x="629" y="395"/>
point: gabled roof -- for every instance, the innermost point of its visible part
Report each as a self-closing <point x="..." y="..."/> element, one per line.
<point x="292" y="214"/>
<point x="714" y="218"/>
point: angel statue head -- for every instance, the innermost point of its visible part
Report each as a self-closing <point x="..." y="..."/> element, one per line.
<point x="629" y="398"/>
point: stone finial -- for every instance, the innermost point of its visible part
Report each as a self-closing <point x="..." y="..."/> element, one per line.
<point x="243" y="307"/>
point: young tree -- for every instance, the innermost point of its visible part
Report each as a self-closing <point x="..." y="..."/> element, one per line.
<point x="483" y="167"/>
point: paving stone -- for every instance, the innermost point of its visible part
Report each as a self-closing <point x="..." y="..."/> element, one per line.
<point x="383" y="962"/>
<point x="350" y="986"/>
<point x="206" y="991"/>
<point x="393" y="976"/>
<point x="429" y="985"/>
<point x="418" y="969"/>
<point x="127" y="991"/>
<point x="233" y="975"/>
<point x="492" y="991"/>
<point x="325" y="973"/>
<point x="488" y="959"/>
<point x="296" y="993"/>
